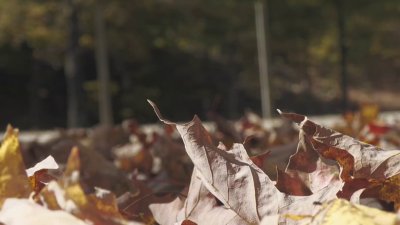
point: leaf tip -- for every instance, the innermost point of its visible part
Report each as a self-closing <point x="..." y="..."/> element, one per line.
<point x="74" y="152"/>
<point x="10" y="130"/>
<point x="73" y="162"/>
<point x="158" y="113"/>
<point x="150" y="102"/>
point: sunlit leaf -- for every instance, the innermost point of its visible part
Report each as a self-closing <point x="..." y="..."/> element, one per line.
<point x="339" y="212"/>
<point x="13" y="179"/>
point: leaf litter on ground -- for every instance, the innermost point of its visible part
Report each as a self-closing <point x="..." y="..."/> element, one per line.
<point x="324" y="181"/>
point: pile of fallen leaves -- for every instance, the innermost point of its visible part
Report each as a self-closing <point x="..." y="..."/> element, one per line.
<point x="183" y="174"/>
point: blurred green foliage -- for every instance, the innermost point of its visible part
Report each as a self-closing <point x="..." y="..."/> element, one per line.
<point x="193" y="56"/>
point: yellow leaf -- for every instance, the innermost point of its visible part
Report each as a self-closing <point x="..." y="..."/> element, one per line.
<point x="73" y="165"/>
<point x="76" y="194"/>
<point x="340" y="212"/>
<point x="296" y="217"/>
<point x="13" y="179"/>
<point x="70" y="181"/>
<point x="369" y="113"/>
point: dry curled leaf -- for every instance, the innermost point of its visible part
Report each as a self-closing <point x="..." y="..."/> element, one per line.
<point x="361" y="165"/>
<point x="235" y="181"/>
<point x="357" y="159"/>
<point x="229" y="175"/>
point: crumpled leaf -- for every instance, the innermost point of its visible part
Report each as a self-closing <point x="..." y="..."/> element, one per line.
<point x="357" y="159"/>
<point x="309" y="169"/>
<point x="13" y="179"/>
<point x="362" y="165"/>
<point x="229" y="175"/>
<point x="232" y="178"/>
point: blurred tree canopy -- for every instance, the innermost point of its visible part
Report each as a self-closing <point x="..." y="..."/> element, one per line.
<point x="192" y="56"/>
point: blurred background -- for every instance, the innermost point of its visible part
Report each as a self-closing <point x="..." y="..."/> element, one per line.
<point x="77" y="63"/>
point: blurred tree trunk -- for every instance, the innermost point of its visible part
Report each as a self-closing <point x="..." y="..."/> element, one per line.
<point x="103" y="75"/>
<point x="73" y="67"/>
<point x="262" y="28"/>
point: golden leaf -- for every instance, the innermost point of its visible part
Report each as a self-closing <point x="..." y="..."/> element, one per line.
<point x="73" y="165"/>
<point x="76" y="194"/>
<point x="339" y="212"/>
<point x="369" y="113"/>
<point x="13" y="179"/>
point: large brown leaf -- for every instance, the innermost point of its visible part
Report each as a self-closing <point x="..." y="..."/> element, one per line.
<point x="357" y="159"/>
<point x="309" y="168"/>
<point x="232" y="178"/>
<point x="362" y="166"/>
<point x="229" y="175"/>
